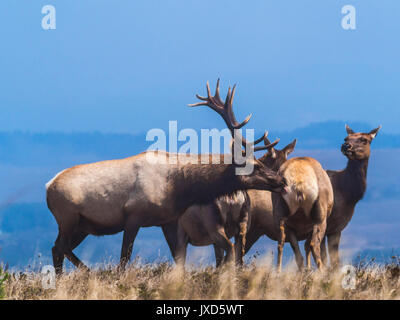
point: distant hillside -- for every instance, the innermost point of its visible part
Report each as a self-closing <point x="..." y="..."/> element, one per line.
<point x="330" y="134"/>
<point x="22" y="148"/>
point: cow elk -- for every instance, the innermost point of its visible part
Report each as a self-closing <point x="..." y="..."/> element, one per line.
<point x="261" y="208"/>
<point x="302" y="211"/>
<point x="349" y="186"/>
<point x="108" y="197"/>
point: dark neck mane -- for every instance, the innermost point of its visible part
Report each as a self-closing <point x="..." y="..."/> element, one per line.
<point x="354" y="180"/>
<point x="202" y="183"/>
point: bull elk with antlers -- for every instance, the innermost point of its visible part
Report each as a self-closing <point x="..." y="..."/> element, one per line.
<point x="108" y="197"/>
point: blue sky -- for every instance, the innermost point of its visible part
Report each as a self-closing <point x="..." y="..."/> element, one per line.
<point x="128" y="66"/>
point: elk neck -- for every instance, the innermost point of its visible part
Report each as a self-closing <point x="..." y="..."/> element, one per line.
<point x="202" y="183"/>
<point x="354" y="179"/>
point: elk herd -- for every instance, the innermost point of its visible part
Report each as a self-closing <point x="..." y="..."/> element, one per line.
<point x="203" y="203"/>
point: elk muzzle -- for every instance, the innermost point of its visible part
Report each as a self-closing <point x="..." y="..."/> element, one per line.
<point x="346" y="149"/>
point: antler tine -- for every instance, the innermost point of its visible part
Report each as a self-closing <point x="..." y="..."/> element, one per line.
<point x="232" y="95"/>
<point x="229" y="109"/>
<point x="229" y="105"/>
<point x="200" y="97"/>
<point x="263" y="137"/>
<point x="228" y="97"/>
<point x="217" y="96"/>
<point x="208" y="91"/>
<point x="266" y="140"/>
<point x="271" y="145"/>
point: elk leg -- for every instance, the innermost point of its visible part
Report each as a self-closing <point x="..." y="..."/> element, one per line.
<point x="75" y="260"/>
<point x="319" y="213"/>
<point x="281" y="243"/>
<point x="324" y="255"/>
<point x="219" y="255"/>
<point x="216" y="231"/>
<point x="251" y="237"/>
<point x="333" y="247"/>
<point x="170" y="232"/>
<point x="220" y="239"/>
<point x="63" y="247"/>
<point x="181" y="248"/>
<point x="315" y="244"/>
<point x="239" y="250"/>
<point x="294" y="243"/>
<point x="307" y="249"/>
<point x="127" y="245"/>
<point x="240" y="238"/>
<point x="58" y="256"/>
<point x="77" y="238"/>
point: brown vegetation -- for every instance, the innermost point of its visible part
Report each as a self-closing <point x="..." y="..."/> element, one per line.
<point x="255" y="281"/>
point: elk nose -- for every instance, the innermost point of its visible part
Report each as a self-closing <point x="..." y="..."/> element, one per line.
<point x="345" y="146"/>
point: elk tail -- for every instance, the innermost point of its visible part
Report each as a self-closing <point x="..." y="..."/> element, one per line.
<point x="298" y="191"/>
<point x="300" y="196"/>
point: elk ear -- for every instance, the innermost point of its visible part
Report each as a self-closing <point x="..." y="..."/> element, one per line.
<point x="349" y="130"/>
<point x="290" y="147"/>
<point x="374" y="132"/>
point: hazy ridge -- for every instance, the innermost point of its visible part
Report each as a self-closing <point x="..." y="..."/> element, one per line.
<point x="28" y="160"/>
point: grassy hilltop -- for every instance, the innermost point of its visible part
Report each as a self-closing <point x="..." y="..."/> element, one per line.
<point x="255" y="281"/>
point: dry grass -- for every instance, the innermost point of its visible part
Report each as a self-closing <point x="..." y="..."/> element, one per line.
<point x="164" y="281"/>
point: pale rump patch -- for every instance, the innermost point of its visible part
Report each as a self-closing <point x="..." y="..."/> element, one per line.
<point x="303" y="186"/>
<point x="231" y="205"/>
<point x="48" y="184"/>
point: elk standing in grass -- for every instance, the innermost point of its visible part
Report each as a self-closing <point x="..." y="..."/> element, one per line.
<point x="303" y="210"/>
<point x="210" y="224"/>
<point x="261" y="208"/>
<point x="349" y="186"/>
<point x="123" y="195"/>
<point x="228" y="216"/>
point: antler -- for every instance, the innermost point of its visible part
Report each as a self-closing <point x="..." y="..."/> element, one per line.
<point x="225" y="110"/>
<point x="268" y="144"/>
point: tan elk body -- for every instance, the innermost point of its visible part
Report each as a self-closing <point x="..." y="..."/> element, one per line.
<point x="304" y="209"/>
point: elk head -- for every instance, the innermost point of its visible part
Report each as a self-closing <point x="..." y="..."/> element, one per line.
<point x="261" y="177"/>
<point x="356" y="145"/>
<point x="274" y="158"/>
